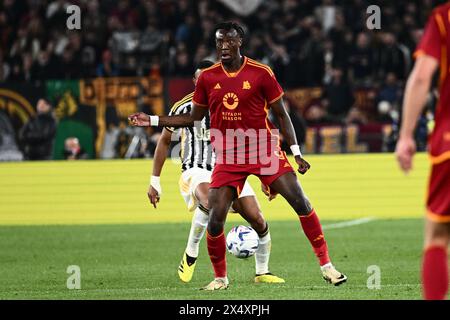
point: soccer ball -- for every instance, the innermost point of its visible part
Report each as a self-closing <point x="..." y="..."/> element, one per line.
<point x="242" y="241"/>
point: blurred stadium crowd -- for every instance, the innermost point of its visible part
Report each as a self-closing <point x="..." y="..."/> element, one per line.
<point x="308" y="43"/>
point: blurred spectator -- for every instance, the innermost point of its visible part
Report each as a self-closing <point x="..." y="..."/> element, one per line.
<point x="316" y="114"/>
<point x="4" y="68"/>
<point x="56" y="12"/>
<point x="187" y="33"/>
<point x="73" y="149"/>
<point x="123" y="139"/>
<point x="152" y="38"/>
<point x="88" y="62"/>
<point x="203" y="53"/>
<point x="392" y="57"/>
<point x="183" y="65"/>
<point x="256" y="47"/>
<point x="326" y="14"/>
<point x="312" y="56"/>
<point x="109" y="143"/>
<point x="421" y="134"/>
<point x="70" y="64"/>
<point x="107" y="68"/>
<point x="45" y="67"/>
<point x="361" y="60"/>
<point x="391" y="90"/>
<point x="149" y="147"/>
<point x="389" y="99"/>
<point x="328" y="60"/>
<point x="356" y="116"/>
<point x="27" y="63"/>
<point x="126" y="14"/>
<point x="342" y="40"/>
<point x="16" y="71"/>
<point x="337" y="96"/>
<point x="9" y="151"/>
<point x="37" y="136"/>
<point x="134" y="142"/>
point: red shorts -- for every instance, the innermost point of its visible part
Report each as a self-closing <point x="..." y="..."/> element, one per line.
<point x="235" y="175"/>
<point x="438" y="200"/>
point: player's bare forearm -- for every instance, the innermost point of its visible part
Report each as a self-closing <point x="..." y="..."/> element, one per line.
<point x="413" y="104"/>
<point x="286" y="127"/>
<point x="416" y="93"/>
<point x="414" y="101"/>
<point x="184" y="120"/>
<point x="161" y="152"/>
<point x="141" y="119"/>
<point x="178" y="121"/>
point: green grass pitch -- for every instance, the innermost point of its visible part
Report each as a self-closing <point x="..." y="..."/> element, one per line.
<point x="96" y="215"/>
<point x="141" y="261"/>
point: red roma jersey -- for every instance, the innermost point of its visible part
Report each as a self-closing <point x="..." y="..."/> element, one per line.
<point x="239" y="104"/>
<point x="435" y="42"/>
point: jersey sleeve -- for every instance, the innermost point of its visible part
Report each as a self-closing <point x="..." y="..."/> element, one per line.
<point x="270" y="86"/>
<point x="200" y="94"/>
<point x="430" y="43"/>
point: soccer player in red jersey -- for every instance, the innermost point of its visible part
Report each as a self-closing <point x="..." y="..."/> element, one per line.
<point x="433" y="52"/>
<point x="238" y="93"/>
<point x="198" y="160"/>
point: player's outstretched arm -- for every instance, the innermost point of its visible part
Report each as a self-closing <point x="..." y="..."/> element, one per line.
<point x="287" y="129"/>
<point x="141" y="119"/>
<point x="416" y="92"/>
<point x="154" y="190"/>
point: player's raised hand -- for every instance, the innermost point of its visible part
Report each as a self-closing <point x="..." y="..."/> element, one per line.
<point x="153" y="196"/>
<point x="139" y="119"/>
<point x="404" y="151"/>
<point x="303" y="165"/>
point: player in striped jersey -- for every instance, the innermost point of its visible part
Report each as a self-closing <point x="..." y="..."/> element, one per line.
<point x="198" y="161"/>
<point x="196" y="150"/>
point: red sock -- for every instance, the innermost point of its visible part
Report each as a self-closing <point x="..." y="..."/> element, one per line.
<point x="435" y="273"/>
<point x="217" y="251"/>
<point x="313" y="231"/>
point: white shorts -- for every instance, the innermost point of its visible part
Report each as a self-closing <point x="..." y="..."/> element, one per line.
<point x="191" y="178"/>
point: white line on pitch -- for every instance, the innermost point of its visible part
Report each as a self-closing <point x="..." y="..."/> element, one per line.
<point x="349" y="223"/>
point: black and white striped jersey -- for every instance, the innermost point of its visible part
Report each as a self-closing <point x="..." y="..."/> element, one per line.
<point x="195" y="144"/>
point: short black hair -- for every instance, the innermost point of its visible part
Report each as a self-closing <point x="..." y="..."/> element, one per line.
<point x="230" y="25"/>
<point x="204" y="64"/>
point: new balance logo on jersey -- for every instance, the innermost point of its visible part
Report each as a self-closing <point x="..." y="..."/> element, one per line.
<point x="217" y="86"/>
<point x="246" y="85"/>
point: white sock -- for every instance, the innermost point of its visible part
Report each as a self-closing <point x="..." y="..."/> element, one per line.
<point x="262" y="254"/>
<point x="326" y="265"/>
<point x="225" y="279"/>
<point x="198" y="228"/>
